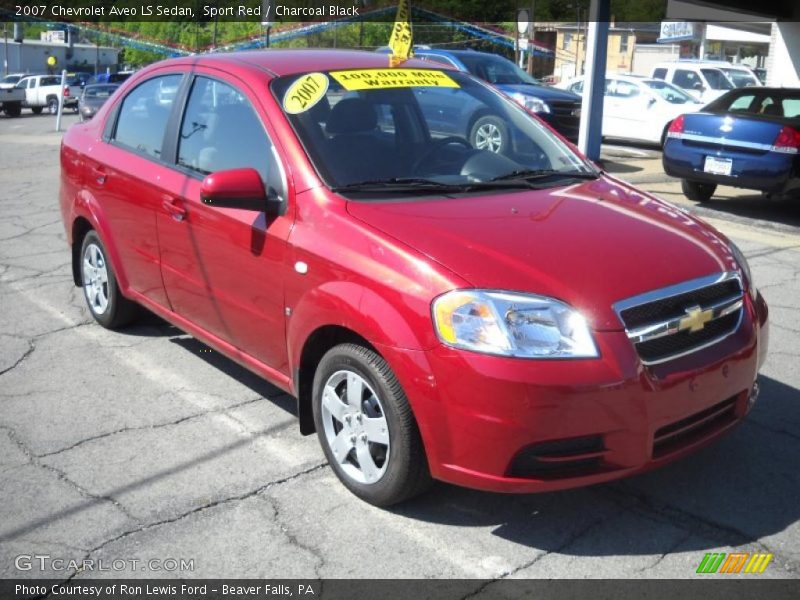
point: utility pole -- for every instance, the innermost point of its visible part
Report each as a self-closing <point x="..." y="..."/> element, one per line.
<point x="5" y="49"/>
<point x="531" y="36"/>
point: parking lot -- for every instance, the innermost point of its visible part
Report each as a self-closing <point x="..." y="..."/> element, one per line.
<point x="145" y="445"/>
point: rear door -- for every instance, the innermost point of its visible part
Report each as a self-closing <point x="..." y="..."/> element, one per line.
<point x="223" y="268"/>
<point x="124" y="175"/>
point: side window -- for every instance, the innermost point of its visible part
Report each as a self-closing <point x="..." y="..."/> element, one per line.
<point x="687" y="80"/>
<point x="660" y="73"/>
<point x="144" y="114"/>
<point x="221" y="131"/>
<point x="577" y="88"/>
<point x="626" y="89"/>
<point x="47" y="81"/>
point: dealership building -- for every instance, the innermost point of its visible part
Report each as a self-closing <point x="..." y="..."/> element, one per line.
<point x="31" y="55"/>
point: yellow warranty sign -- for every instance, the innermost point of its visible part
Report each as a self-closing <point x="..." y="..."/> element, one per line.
<point x="368" y="79"/>
<point x="305" y="93"/>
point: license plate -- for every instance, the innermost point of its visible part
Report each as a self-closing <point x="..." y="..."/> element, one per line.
<point x="718" y="166"/>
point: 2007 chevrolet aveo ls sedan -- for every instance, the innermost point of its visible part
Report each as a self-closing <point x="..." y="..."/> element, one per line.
<point x="515" y="321"/>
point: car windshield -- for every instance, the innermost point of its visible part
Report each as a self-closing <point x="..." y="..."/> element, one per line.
<point x="495" y="69"/>
<point x="717" y="79"/>
<point x="424" y="128"/>
<point x="740" y="77"/>
<point x="671" y="93"/>
<point x="99" y="91"/>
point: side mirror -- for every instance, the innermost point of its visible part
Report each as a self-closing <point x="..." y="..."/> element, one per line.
<point x="238" y="188"/>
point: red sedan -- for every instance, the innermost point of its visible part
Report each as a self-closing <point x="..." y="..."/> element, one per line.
<point x="515" y="321"/>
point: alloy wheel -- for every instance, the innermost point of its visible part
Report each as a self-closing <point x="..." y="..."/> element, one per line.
<point x="355" y="427"/>
<point x="488" y="137"/>
<point x="95" y="279"/>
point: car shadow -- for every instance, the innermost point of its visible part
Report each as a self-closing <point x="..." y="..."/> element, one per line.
<point x="737" y="491"/>
<point x="782" y="210"/>
<point x="151" y="325"/>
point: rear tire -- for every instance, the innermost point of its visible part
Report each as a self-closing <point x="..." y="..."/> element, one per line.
<point x="108" y="306"/>
<point x="52" y="106"/>
<point x="699" y="192"/>
<point x="366" y="428"/>
<point x="37" y="110"/>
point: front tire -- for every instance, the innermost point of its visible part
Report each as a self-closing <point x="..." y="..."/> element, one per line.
<point x="490" y="133"/>
<point x="366" y="428"/>
<point x="107" y="305"/>
<point x="699" y="192"/>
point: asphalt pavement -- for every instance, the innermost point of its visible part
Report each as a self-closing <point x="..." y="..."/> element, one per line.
<point x="143" y="445"/>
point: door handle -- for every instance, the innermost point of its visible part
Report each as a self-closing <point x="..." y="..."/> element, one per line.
<point x="99" y="175"/>
<point x="174" y="208"/>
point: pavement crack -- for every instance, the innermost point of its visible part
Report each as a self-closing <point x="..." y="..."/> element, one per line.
<point x="183" y="419"/>
<point x="668" y="551"/>
<point x="319" y="558"/>
<point x="209" y="505"/>
<point x="20" y="360"/>
<point x="647" y="506"/>
<point x="506" y="574"/>
<point x="61" y="476"/>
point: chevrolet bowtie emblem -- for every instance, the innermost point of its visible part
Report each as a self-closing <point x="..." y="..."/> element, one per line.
<point x="695" y="319"/>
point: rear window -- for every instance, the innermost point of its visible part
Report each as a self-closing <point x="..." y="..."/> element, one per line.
<point x="144" y="114"/>
<point x="50" y="81"/>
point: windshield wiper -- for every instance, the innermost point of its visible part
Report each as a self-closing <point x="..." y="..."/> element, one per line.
<point x="419" y="184"/>
<point x="536" y="174"/>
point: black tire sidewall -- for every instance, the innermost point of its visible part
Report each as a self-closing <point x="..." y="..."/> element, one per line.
<point x="391" y="487"/>
<point x="52" y="107"/>
<point x="107" y="319"/>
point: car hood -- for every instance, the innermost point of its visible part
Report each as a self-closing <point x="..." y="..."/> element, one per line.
<point x="540" y="91"/>
<point x="590" y="244"/>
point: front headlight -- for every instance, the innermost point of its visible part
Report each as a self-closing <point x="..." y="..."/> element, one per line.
<point x="512" y="324"/>
<point x="532" y="103"/>
<point x="740" y="259"/>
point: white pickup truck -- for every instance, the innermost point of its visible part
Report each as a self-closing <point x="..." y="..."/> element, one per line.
<point x="43" y="91"/>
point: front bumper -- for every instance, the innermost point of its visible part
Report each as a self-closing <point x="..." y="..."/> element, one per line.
<point x="515" y="425"/>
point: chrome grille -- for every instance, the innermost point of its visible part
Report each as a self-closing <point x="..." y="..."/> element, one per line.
<point x="671" y="322"/>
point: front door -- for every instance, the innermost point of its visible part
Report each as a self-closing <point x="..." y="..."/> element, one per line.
<point x="223" y="267"/>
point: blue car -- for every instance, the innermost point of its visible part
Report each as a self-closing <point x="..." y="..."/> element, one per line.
<point x="559" y="108"/>
<point x="748" y="138"/>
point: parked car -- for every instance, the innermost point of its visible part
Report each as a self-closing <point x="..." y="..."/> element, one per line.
<point x="44" y="91"/>
<point x="514" y="322"/>
<point x="705" y="82"/>
<point x="748" y="138"/>
<point x="560" y="109"/>
<point x="93" y="97"/>
<point x="109" y="77"/>
<point x="79" y="78"/>
<point x="638" y="108"/>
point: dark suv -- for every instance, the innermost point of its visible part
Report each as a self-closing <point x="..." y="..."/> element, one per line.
<point x="561" y="109"/>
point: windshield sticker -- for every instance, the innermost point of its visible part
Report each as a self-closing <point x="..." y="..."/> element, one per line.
<point x="305" y="93"/>
<point x="367" y="79"/>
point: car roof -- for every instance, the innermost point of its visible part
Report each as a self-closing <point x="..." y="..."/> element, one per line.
<point x="281" y="62"/>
